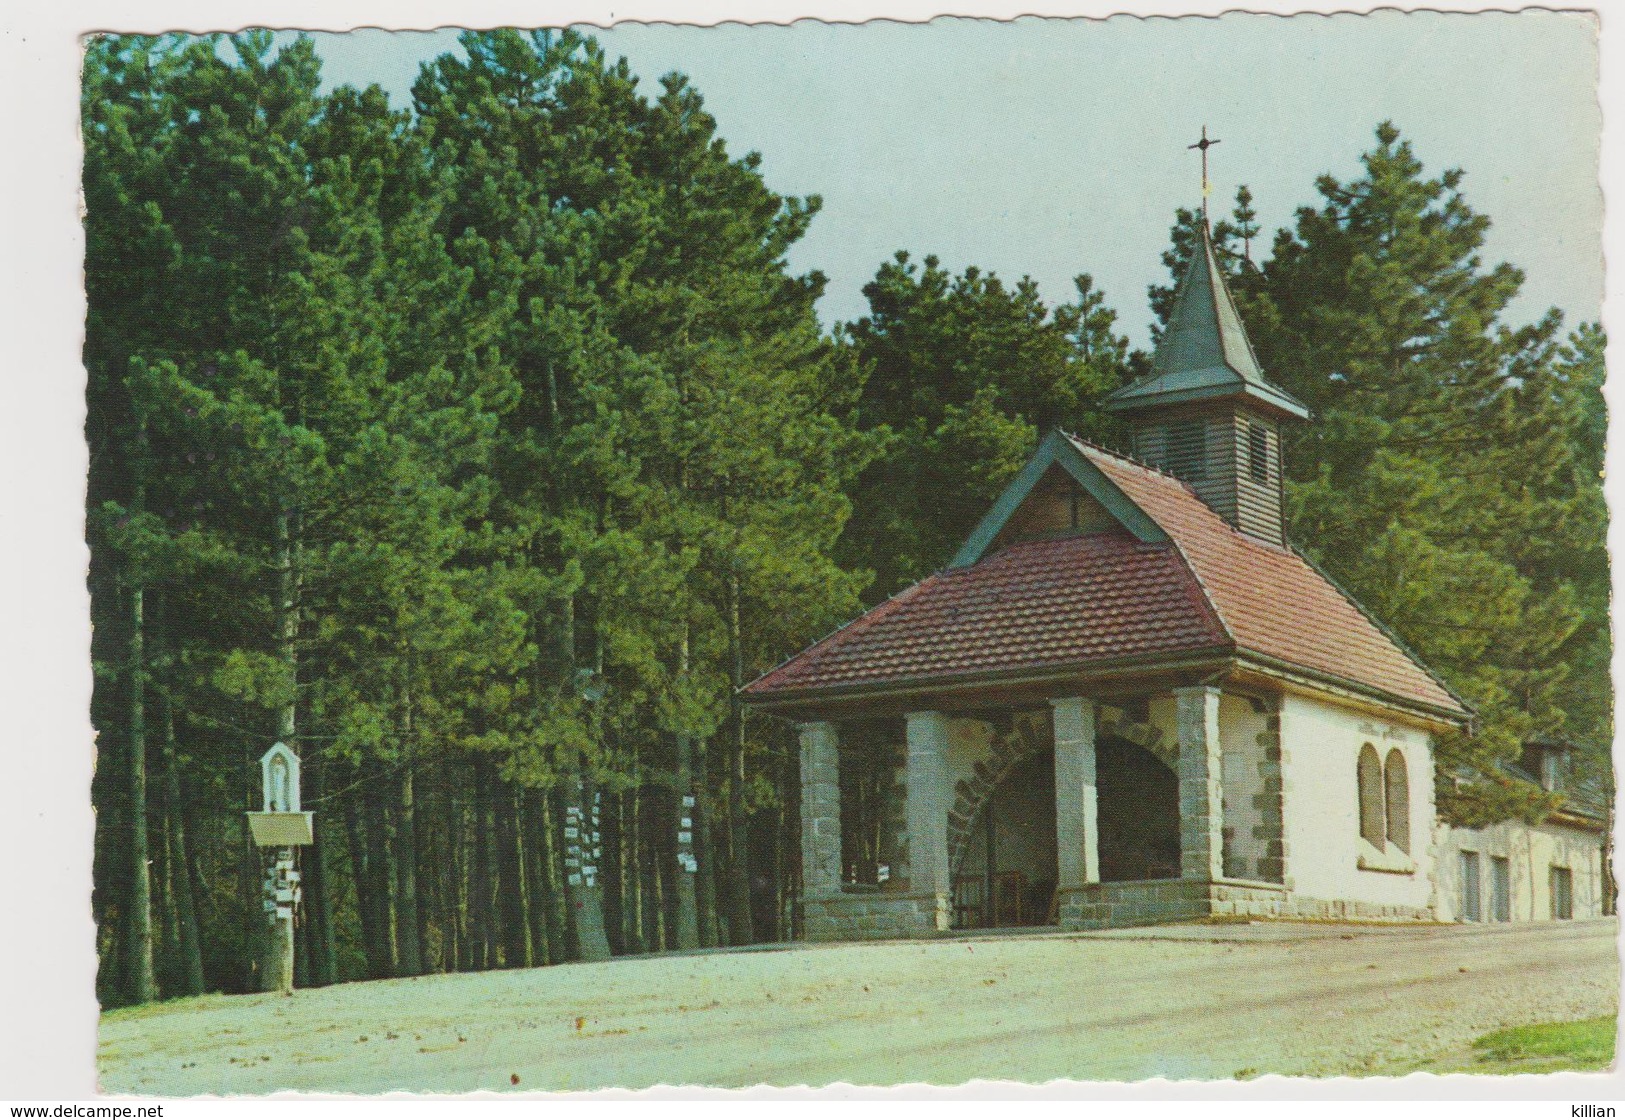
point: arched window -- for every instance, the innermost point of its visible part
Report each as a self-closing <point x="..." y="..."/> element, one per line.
<point x="1396" y="780"/>
<point x="1372" y="826"/>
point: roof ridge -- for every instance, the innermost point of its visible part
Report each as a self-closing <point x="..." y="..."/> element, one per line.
<point x="1124" y="456"/>
<point x="1179" y="550"/>
<point x="1207" y="596"/>
<point x="1188" y="488"/>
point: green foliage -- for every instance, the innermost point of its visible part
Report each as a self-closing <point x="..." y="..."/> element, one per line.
<point x="964" y="374"/>
<point x="1450" y="477"/>
<point x="402" y="418"/>
<point x="410" y="426"/>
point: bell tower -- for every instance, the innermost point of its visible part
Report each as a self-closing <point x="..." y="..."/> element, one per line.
<point x="1205" y="413"/>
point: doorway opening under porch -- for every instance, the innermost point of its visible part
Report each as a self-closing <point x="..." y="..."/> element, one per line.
<point x="1077" y="813"/>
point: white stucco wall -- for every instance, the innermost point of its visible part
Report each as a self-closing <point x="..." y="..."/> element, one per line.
<point x="1164" y="716"/>
<point x="1531" y="852"/>
<point x="1321" y="744"/>
<point x="1240" y="725"/>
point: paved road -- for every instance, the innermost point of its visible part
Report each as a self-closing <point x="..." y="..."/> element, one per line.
<point x="1181" y="1002"/>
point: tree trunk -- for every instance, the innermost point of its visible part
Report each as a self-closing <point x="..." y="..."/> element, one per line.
<point x="774" y="828"/>
<point x="616" y="895"/>
<point x="189" y="973"/>
<point x="511" y="878"/>
<point x="378" y="834"/>
<point x="409" y="949"/>
<point x="252" y="870"/>
<point x="634" y="937"/>
<point x="538" y="877"/>
<point x="688" y="922"/>
<point x="583" y="852"/>
<point x="705" y="879"/>
<point x="374" y="941"/>
<point x="280" y="940"/>
<point x="138" y="936"/>
<point x="451" y="876"/>
<point x="561" y="927"/>
<point x="582" y="849"/>
<point x="318" y="902"/>
<point x="196" y="885"/>
<point x="740" y="931"/>
<point x="648" y="866"/>
<point x="686" y="842"/>
<point x="481" y="933"/>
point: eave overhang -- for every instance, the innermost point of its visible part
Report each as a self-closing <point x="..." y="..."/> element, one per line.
<point x="1342" y="687"/>
<point x="1215" y="660"/>
<point x="1276" y="402"/>
<point x="1204" y="660"/>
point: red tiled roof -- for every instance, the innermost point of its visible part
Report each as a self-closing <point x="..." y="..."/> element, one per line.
<point x="1036" y="605"/>
<point x="1272" y="602"/>
<point x="1069" y="602"/>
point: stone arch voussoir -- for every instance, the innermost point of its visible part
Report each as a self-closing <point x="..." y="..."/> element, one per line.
<point x="1029" y="733"/>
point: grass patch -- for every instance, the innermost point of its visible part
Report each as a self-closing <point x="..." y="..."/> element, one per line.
<point x="1586" y="1044"/>
<point x="1581" y="1046"/>
<point x="160" y="1007"/>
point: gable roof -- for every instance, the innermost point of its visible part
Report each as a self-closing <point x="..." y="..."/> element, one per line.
<point x="1273" y="602"/>
<point x="1038" y="605"/>
<point x="1204" y="353"/>
<point x="1195" y="585"/>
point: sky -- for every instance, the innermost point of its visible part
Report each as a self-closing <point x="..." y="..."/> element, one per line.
<point x="1050" y="147"/>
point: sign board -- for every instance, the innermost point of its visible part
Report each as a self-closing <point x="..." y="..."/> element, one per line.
<point x="282" y="830"/>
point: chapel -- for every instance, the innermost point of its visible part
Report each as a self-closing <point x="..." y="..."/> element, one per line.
<point x="1126" y="699"/>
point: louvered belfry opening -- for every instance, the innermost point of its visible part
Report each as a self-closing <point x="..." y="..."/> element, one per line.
<point x="1206" y="414"/>
<point x="1185" y="450"/>
<point x="1230" y="456"/>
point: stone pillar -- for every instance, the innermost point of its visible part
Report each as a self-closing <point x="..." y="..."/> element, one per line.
<point x="1270" y="832"/>
<point x="1201" y="792"/>
<point x="1077" y="811"/>
<point x="820" y="811"/>
<point x="928" y="811"/>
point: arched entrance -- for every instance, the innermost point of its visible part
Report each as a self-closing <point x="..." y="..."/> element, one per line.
<point x="1007" y="874"/>
<point x="1138" y="798"/>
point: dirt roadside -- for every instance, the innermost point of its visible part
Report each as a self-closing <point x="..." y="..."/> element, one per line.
<point x="1191" y="1002"/>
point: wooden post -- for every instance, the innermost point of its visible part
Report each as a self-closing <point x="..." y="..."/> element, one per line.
<point x="281" y="826"/>
<point x="282" y="916"/>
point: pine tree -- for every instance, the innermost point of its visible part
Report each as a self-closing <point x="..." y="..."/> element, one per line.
<point x="964" y="374"/>
<point x="1439" y="471"/>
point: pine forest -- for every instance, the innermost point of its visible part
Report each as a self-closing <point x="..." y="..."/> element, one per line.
<point x="482" y="450"/>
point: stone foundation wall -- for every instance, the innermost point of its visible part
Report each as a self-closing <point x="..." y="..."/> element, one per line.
<point x="1354" y="910"/>
<point x="1154" y="901"/>
<point x="1143" y="903"/>
<point x="869" y="917"/>
<point x="879" y="916"/>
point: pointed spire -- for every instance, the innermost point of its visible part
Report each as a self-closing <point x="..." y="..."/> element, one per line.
<point x="1204" y="353"/>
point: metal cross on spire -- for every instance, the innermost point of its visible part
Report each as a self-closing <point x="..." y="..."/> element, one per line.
<point x="1204" y="144"/>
